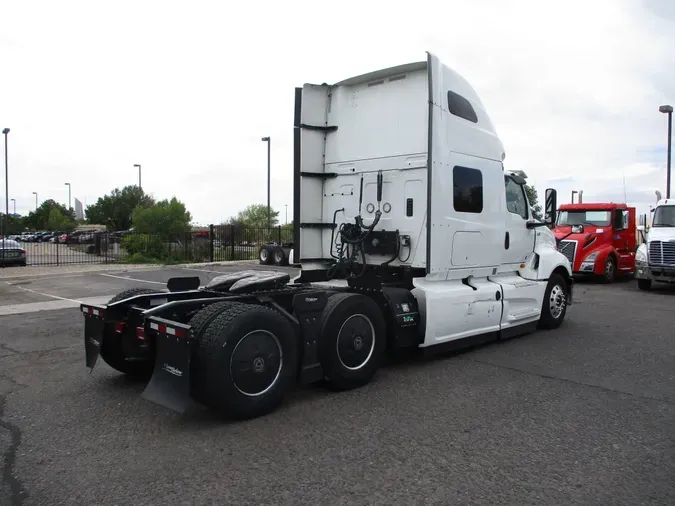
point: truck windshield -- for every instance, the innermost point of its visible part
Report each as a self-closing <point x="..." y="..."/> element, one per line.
<point x="598" y="218"/>
<point x="664" y="216"/>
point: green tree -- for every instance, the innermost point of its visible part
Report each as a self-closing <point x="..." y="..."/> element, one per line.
<point x="12" y="224"/>
<point x="166" y="217"/>
<point x="58" y="221"/>
<point x="44" y="219"/>
<point x="255" y="216"/>
<point x="533" y="198"/>
<point x="115" y="210"/>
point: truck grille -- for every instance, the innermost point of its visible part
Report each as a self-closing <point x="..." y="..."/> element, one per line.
<point x="568" y="248"/>
<point x="662" y="253"/>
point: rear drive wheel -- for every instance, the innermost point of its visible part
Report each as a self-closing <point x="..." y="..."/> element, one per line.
<point x="609" y="274"/>
<point x="199" y="323"/>
<point x="644" y="284"/>
<point x="554" y="306"/>
<point x="280" y="256"/>
<point x="249" y="361"/>
<point x="112" y="351"/>
<point x="265" y="256"/>
<point x="352" y="341"/>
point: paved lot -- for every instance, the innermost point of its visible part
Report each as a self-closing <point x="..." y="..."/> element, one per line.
<point x="582" y="415"/>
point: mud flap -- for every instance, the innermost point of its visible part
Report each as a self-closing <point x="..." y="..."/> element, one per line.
<point x="170" y="383"/>
<point x="94" y="331"/>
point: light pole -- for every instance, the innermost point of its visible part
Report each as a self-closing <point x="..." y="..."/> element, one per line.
<point x="139" y="175"/>
<point x="14" y="201"/>
<point x="68" y="185"/>
<point x="36" y="206"/>
<point x="269" y="213"/>
<point x="286" y="205"/>
<point x="6" y="131"/>
<point x="668" y="109"/>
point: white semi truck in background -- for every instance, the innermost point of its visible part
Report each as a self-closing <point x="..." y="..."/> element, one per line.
<point x="410" y="234"/>
<point x="655" y="257"/>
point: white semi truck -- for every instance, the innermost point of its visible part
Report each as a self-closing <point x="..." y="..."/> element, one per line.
<point x="655" y="257"/>
<point x="410" y="235"/>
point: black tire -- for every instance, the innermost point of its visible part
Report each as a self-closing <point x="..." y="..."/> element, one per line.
<point x="112" y="352"/>
<point x="554" y="305"/>
<point x="609" y="274"/>
<point x="644" y="284"/>
<point x="280" y="257"/>
<point x="245" y="394"/>
<point x="265" y="256"/>
<point x="199" y="323"/>
<point x="131" y="292"/>
<point x="352" y="340"/>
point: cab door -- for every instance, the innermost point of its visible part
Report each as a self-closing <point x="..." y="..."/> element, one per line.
<point x="623" y="238"/>
<point x="518" y="240"/>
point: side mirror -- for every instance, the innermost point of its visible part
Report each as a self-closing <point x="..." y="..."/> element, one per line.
<point x="640" y="228"/>
<point x="549" y="210"/>
<point x="551" y="206"/>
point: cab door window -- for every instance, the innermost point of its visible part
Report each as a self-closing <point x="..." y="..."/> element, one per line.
<point x="516" y="202"/>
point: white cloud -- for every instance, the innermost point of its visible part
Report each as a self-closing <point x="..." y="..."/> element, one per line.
<point x="188" y="89"/>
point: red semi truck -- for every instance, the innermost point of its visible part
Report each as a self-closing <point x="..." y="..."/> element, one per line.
<point x="597" y="238"/>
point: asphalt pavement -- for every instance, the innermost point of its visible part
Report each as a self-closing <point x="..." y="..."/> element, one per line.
<point x="581" y="415"/>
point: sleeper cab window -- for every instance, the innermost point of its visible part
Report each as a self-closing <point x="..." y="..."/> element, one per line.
<point x="461" y="107"/>
<point x="516" y="202"/>
<point x="468" y="190"/>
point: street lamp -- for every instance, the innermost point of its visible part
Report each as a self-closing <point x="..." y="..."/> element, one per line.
<point x="139" y="175"/>
<point x="36" y="206"/>
<point x="6" y="131"/>
<point x="668" y="109"/>
<point x="14" y="200"/>
<point x="286" y="206"/>
<point x="68" y="185"/>
<point x="269" y="213"/>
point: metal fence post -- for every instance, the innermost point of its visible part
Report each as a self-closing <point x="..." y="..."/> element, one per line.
<point x="232" y="241"/>
<point x="211" y="242"/>
<point x="279" y="230"/>
<point x="57" y="250"/>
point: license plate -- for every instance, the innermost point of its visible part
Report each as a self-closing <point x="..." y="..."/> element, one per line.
<point x="10" y="254"/>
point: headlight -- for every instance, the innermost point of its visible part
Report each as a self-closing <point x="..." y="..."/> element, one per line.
<point x="591" y="257"/>
<point x="641" y="254"/>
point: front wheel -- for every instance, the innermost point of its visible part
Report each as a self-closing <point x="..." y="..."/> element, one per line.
<point x="609" y="274"/>
<point x="554" y="306"/>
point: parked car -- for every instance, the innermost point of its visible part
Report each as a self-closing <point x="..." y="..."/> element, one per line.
<point x="11" y="253"/>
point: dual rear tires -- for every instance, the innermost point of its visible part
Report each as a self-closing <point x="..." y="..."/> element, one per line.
<point x="272" y="255"/>
<point x="247" y="356"/>
<point x="112" y="349"/>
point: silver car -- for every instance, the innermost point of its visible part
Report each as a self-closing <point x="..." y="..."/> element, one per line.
<point x="11" y="253"/>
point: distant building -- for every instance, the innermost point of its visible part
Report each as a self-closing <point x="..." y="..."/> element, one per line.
<point x="79" y="210"/>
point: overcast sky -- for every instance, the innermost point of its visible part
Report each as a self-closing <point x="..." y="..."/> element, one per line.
<point x="188" y="89"/>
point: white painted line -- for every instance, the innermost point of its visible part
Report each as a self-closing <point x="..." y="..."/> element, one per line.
<point x="41" y="293"/>
<point x="126" y="278"/>
<point x="34" y="307"/>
